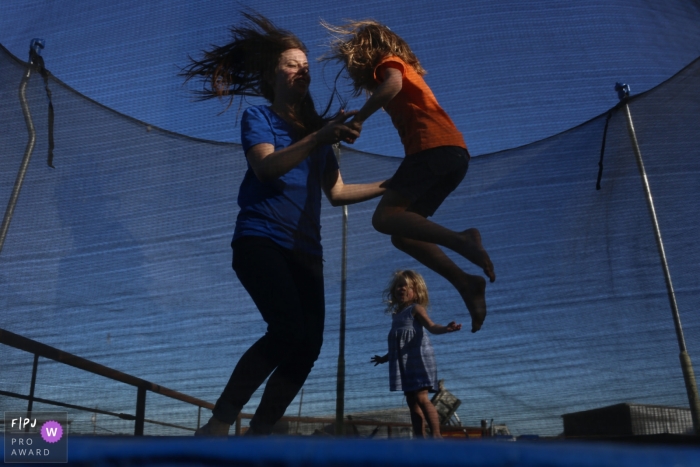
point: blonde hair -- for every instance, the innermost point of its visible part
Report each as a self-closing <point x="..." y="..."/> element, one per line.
<point x="415" y="281"/>
<point x="361" y="45"/>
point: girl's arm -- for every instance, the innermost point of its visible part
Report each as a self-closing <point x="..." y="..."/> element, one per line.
<point x="420" y="313"/>
<point x="377" y="359"/>
<point x="340" y="194"/>
<point x="392" y="81"/>
<point x="268" y="164"/>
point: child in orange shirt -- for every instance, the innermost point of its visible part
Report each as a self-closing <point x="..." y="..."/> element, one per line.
<point x="436" y="157"/>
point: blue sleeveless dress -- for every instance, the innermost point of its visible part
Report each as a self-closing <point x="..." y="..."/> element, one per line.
<point x="411" y="357"/>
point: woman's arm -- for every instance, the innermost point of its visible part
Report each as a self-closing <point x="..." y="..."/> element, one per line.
<point x="340" y="194"/>
<point x="421" y="315"/>
<point x="268" y="164"/>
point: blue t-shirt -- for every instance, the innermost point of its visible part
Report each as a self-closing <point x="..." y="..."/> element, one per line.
<point x="286" y="210"/>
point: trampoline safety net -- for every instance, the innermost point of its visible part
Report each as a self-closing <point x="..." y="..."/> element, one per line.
<point x="121" y="255"/>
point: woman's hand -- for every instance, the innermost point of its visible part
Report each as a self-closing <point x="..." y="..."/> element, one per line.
<point x="336" y="130"/>
<point x="452" y="327"/>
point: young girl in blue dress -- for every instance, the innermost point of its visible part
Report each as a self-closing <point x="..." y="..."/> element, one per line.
<point x="412" y="367"/>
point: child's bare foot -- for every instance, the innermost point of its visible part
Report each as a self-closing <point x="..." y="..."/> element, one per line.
<point x="474" y="252"/>
<point x="473" y="292"/>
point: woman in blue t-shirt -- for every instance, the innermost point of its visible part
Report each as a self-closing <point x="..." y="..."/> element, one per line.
<point x="277" y="252"/>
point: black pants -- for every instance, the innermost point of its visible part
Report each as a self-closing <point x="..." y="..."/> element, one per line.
<point x="287" y="288"/>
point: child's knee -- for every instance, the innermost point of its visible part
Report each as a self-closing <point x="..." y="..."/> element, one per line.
<point x="398" y="242"/>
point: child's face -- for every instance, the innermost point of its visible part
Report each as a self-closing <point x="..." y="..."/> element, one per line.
<point x="403" y="291"/>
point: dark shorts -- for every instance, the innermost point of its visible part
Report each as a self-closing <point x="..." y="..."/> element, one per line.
<point x="428" y="177"/>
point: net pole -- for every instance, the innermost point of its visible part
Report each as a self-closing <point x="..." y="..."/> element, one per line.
<point x="686" y="364"/>
<point x="340" y="380"/>
<point x="31" y="141"/>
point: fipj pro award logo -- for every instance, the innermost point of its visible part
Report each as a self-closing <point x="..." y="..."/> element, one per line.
<point x="35" y="437"/>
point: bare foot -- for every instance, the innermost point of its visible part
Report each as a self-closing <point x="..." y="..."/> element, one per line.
<point x="473" y="292"/>
<point x="474" y="251"/>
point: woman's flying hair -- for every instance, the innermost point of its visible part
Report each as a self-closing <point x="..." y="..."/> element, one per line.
<point x="246" y="65"/>
<point x="413" y="280"/>
<point x="361" y="45"/>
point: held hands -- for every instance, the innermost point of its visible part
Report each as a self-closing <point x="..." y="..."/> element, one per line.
<point x="452" y="327"/>
<point x="377" y="359"/>
<point x="355" y="125"/>
<point x="336" y="130"/>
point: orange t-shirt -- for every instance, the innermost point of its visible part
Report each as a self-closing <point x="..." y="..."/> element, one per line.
<point x="421" y="122"/>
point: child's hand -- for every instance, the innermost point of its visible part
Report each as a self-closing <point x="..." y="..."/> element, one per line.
<point x="452" y="327"/>
<point x="355" y="125"/>
<point x="335" y="130"/>
<point x="377" y="360"/>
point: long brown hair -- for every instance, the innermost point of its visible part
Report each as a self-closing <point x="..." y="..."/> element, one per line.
<point x="361" y="45"/>
<point x="413" y="280"/>
<point x="243" y="67"/>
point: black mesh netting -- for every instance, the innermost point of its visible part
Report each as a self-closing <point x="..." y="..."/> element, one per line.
<point x="121" y="255"/>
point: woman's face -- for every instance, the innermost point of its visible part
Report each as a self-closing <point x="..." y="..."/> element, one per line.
<point x="292" y="76"/>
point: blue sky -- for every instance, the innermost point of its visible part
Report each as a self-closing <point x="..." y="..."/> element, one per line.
<point x="508" y="72"/>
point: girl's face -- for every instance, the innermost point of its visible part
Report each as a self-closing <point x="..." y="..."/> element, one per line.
<point x="403" y="292"/>
<point x="292" y="78"/>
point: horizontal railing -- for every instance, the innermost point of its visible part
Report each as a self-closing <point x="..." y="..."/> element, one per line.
<point x="142" y="386"/>
<point x="46" y="351"/>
